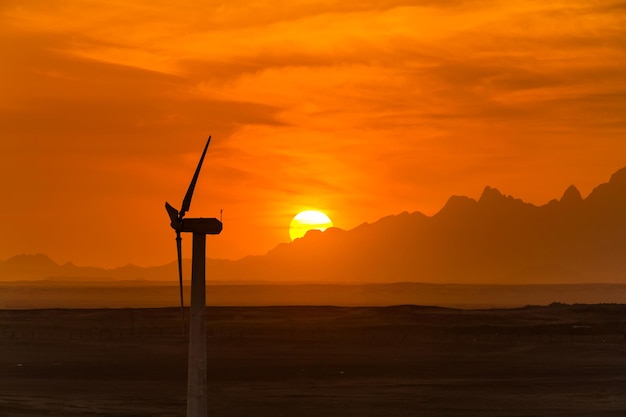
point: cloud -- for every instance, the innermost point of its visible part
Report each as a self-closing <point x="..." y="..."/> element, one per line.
<point x="87" y="104"/>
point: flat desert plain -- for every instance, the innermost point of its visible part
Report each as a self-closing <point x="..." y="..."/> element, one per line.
<point x="557" y="360"/>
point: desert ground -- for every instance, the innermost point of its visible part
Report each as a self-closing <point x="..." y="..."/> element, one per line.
<point x="557" y="360"/>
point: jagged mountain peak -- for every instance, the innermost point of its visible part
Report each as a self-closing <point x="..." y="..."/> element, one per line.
<point x="492" y="198"/>
<point x="490" y="195"/>
<point x="571" y="196"/>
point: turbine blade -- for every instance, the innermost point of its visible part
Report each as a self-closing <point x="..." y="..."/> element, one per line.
<point x="180" y="278"/>
<point x="172" y="212"/>
<point x="187" y="200"/>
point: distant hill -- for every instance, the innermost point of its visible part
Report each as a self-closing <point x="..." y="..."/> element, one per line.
<point x="495" y="239"/>
<point x="41" y="267"/>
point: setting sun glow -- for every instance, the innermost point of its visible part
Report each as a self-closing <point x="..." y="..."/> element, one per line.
<point x="308" y="220"/>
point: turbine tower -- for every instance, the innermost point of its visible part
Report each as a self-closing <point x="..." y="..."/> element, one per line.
<point x="199" y="227"/>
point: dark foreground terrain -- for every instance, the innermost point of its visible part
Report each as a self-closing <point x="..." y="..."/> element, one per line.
<point x="558" y="360"/>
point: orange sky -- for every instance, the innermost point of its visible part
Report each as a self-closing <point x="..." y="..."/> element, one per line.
<point x="360" y="109"/>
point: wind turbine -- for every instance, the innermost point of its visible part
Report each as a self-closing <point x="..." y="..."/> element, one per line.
<point x="199" y="227"/>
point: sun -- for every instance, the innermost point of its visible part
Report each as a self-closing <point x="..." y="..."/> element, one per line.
<point x="308" y="220"/>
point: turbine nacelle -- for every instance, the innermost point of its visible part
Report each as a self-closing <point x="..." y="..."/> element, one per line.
<point x="208" y="226"/>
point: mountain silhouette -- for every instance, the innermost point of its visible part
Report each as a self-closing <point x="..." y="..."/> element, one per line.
<point x="495" y="239"/>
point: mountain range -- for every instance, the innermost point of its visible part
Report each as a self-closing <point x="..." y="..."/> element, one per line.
<point x="497" y="239"/>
